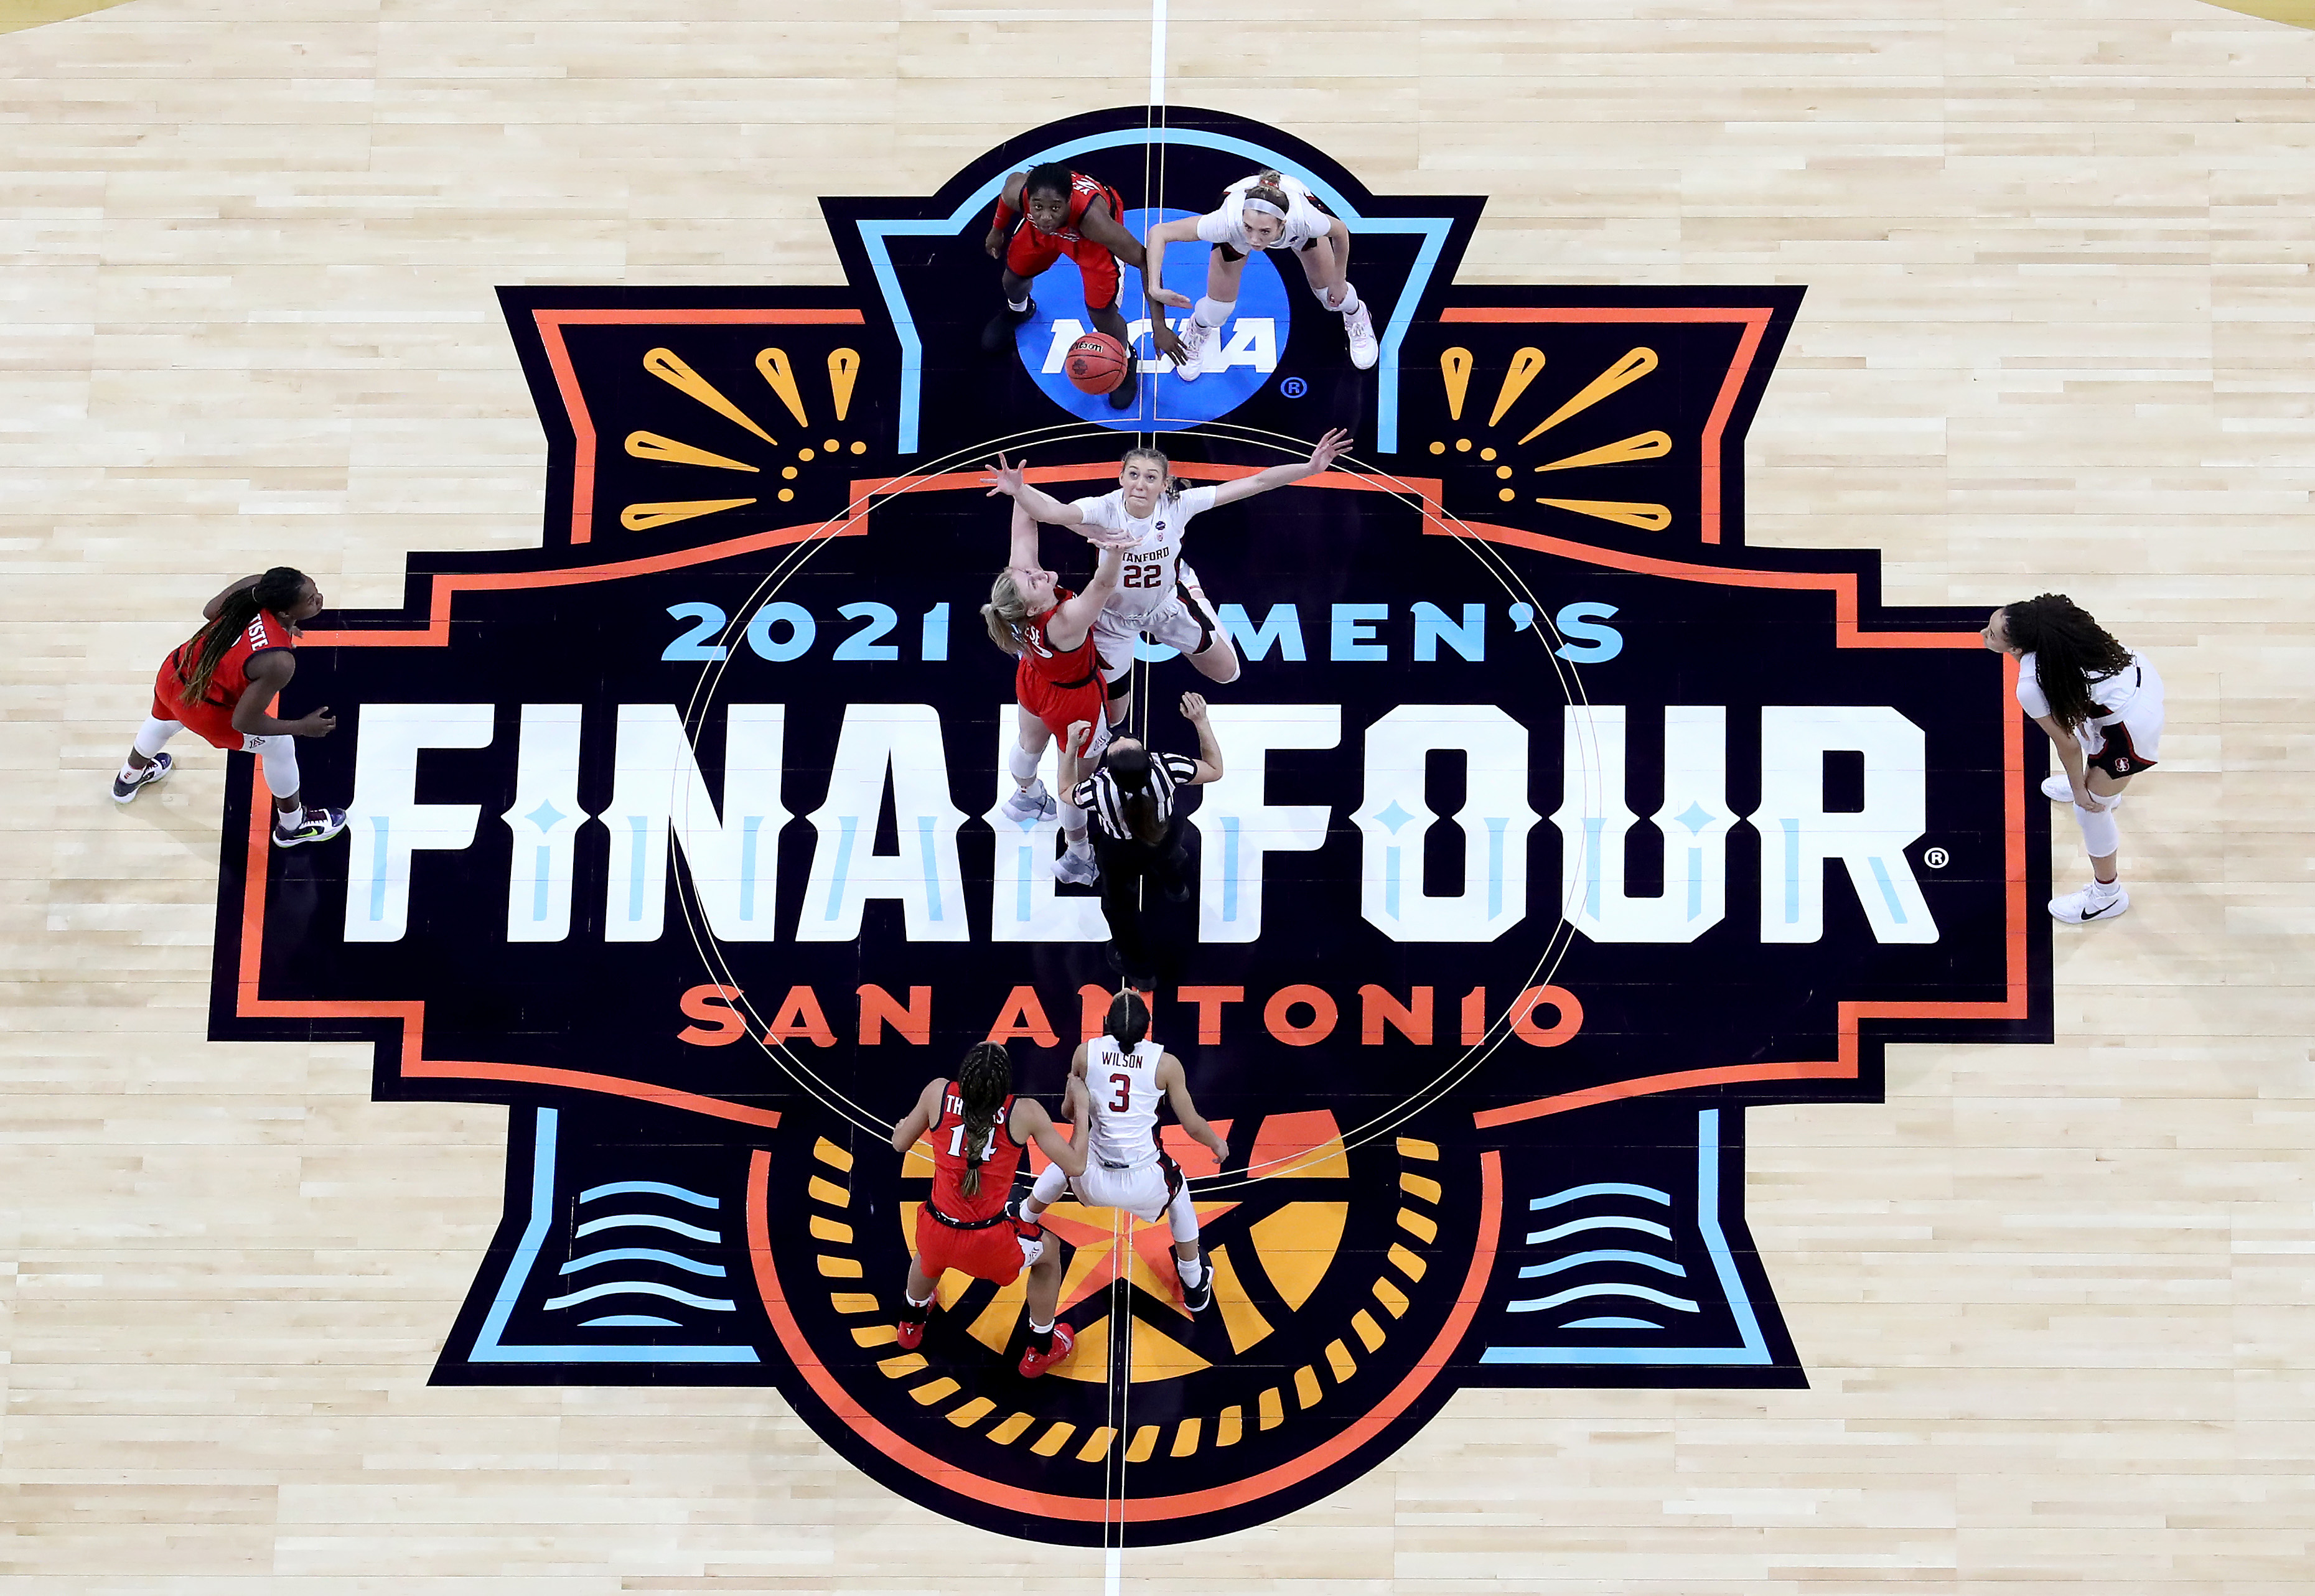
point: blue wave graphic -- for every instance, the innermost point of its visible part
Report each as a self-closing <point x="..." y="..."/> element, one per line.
<point x="646" y="1288"/>
<point x="640" y="1255"/>
<point x="655" y="1222"/>
<point x="630" y="1283"/>
<point x="1625" y="1261"/>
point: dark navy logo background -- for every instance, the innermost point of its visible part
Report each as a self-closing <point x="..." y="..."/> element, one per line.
<point x="1560" y="827"/>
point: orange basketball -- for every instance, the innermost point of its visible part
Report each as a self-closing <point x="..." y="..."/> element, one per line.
<point x="1096" y="363"/>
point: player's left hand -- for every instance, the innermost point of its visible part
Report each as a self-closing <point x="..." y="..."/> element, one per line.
<point x="2086" y="799"/>
<point x="1008" y="479"/>
<point x="1329" y="448"/>
<point x="1194" y="707"/>
<point x="1168" y="296"/>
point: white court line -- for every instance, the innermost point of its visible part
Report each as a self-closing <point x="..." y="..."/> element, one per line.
<point x="1158" y="52"/>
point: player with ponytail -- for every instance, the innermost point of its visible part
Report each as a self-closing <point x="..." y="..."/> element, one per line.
<point x="1269" y="210"/>
<point x="977" y="1131"/>
<point x="221" y="682"/>
<point x="2101" y="706"/>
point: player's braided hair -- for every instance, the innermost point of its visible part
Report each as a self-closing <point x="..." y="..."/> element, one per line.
<point x="1173" y="487"/>
<point x="1005" y="610"/>
<point x="1128" y="1018"/>
<point x="1054" y="177"/>
<point x="983" y="1079"/>
<point x="276" y="593"/>
<point x="2070" y="651"/>
<point x="1128" y="764"/>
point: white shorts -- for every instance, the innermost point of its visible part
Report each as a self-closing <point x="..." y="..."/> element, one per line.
<point x="1144" y="1191"/>
<point x="2141" y="724"/>
<point x="1180" y="623"/>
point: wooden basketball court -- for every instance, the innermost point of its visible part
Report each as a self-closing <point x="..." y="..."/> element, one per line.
<point x="2059" y="333"/>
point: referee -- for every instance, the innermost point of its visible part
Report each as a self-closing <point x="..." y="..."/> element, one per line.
<point x="1137" y="835"/>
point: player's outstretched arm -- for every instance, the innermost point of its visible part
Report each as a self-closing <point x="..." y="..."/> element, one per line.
<point x="1023" y="551"/>
<point x="1108" y="232"/>
<point x="1153" y="271"/>
<point x="1074" y="618"/>
<point x="1177" y="1094"/>
<point x="1322" y="454"/>
<point x="1210" y="746"/>
<point x="1012" y="481"/>
<point x="1030" y="1123"/>
<point x="919" y="1119"/>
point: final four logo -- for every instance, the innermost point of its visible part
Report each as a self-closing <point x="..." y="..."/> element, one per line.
<point x="1559" y="827"/>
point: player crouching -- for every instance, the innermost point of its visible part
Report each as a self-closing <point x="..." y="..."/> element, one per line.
<point x="1119" y="1077"/>
<point x="977" y="1131"/>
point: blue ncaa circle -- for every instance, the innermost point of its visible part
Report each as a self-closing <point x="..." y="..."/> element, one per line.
<point x="1253" y="343"/>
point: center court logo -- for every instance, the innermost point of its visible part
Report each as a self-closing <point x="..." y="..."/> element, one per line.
<point x="1559" y="827"/>
<point x="1244" y="357"/>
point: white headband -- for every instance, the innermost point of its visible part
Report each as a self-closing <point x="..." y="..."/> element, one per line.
<point x="1253" y="202"/>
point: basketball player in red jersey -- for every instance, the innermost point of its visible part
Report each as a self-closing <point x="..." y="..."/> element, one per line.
<point x="977" y="1131"/>
<point x="1045" y="212"/>
<point x="220" y="681"/>
<point x="1057" y="683"/>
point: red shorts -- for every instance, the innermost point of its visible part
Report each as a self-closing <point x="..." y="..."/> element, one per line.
<point x="1032" y="252"/>
<point x="212" y="722"/>
<point x="991" y="1254"/>
<point x="1060" y="707"/>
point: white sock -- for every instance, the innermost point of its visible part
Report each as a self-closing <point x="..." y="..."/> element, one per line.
<point x="1192" y="1270"/>
<point x="1348" y="303"/>
<point x="1017" y="307"/>
<point x="129" y="773"/>
<point x="2099" y="888"/>
<point x="1212" y="312"/>
<point x="1044" y="1329"/>
<point x="1023" y="764"/>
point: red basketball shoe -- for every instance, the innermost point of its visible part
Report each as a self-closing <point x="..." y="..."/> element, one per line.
<point x="1033" y="1364"/>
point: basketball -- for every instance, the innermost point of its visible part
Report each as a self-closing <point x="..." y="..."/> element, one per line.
<point x="1094" y="363"/>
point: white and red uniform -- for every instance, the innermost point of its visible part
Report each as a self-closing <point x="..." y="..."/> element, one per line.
<point x="1147" y="601"/>
<point x="1060" y="687"/>
<point x="971" y="1233"/>
<point x="1307" y="220"/>
<point x="211" y="714"/>
<point x="2125" y="736"/>
<point x="1032" y="249"/>
<point x="1125" y="1165"/>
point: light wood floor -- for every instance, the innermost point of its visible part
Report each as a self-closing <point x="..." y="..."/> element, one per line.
<point x="2060" y="334"/>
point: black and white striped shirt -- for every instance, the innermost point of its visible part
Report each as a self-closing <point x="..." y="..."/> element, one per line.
<point x="1100" y="795"/>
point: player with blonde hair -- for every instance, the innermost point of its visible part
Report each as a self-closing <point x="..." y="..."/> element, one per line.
<point x="1266" y="211"/>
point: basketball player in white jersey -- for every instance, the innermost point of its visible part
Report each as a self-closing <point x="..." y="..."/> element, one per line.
<point x="1118" y="1078"/>
<point x="1158" y="594"/>
<point x="1266" y="211"/>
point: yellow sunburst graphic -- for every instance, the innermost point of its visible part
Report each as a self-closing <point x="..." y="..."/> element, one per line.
<point x="779" y="375"/>
<point x="1456" y="367"/>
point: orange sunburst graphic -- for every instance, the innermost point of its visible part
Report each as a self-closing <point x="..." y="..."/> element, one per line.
<point x="1456" y="368"/>
<point x="787" y="462"/>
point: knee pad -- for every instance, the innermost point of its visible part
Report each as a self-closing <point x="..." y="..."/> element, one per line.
<point x="153" y="732"/>
<point x="1213" y="313"/>
<point x="1050" y="1184"/>
<point x="1181" y="1216"/>
<point x="1073" y="819"/>
<point x="1348" y="303"/>
<point x="2100" y="835"/>
<point x="280" y="755"/>
<point x="1022" y="763"/>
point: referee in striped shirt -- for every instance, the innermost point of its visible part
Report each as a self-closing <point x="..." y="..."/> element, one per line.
<point x="1136" y="835"/>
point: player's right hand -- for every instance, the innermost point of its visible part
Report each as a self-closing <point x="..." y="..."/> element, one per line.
<point x="1169" y="298"/>
<point x="995" y="245"/>
<point x="1008" y="478"/>
<point x="1167" y="340"/>
<point x="320" y="724"/>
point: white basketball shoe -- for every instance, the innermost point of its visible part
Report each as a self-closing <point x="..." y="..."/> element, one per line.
<point x="2092" y="903"/>
<point x="1197" y="339"/>
<point x="1360" y="326"/>
<point x="1030" y="804"/>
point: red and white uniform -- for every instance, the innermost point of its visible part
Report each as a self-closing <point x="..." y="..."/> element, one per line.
<point x="970" y="1233"/>
<point x="1125" y="1165"/>
<point x="1033" y="249"/>
<point x="1149" y="602"/>
<point x="211" y="714"/>
<point x="1061" y="686"/>
<point x="2125" y="736"/>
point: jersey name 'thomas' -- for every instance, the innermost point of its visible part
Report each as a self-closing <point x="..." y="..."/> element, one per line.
<point x="1152" y="560"/>
<point x="731" y="843"/>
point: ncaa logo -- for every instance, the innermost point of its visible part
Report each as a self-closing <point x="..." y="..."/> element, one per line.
<point x="1558" y="828"/>
<point x="1248" y="350"/>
